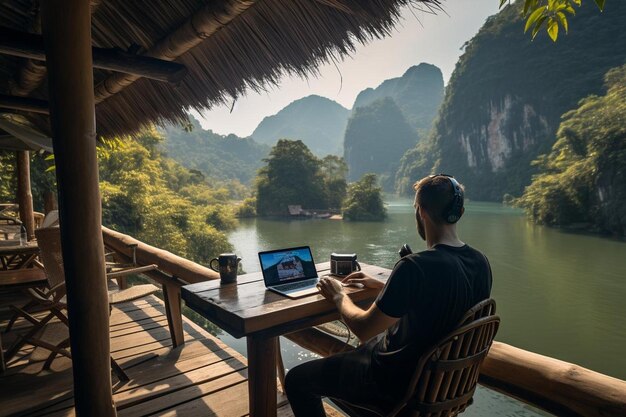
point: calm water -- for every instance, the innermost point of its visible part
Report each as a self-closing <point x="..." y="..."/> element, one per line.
<point x="559" y="294"/>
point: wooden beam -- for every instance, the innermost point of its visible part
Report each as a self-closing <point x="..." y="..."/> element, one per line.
<point x="29" y="45"/>
<point x="24" y="193"/>
<point x="181" y="268"/>
<point x="72" y="117"/>
<point x="318" y="342"/>
<point x="32" y="105"/>
<point x="559" y="387"/>
<point x="199" y="27"/>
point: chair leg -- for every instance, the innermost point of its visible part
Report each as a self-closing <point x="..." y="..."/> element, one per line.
<point x="28" y="336"/>
<point x="280" y="365"/>
<point x="59" y="349"/>
<point x="19" y="312"/>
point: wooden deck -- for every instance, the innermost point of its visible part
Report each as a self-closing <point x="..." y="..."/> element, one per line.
<point x="202" y="378"/>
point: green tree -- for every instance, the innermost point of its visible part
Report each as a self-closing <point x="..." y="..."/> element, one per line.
<point x="147" y="195"/>
<point x="364" y="201"/>
<point x="581" y="180"/>
<point x="334" y="169"/>
<point x="292" y="176"/>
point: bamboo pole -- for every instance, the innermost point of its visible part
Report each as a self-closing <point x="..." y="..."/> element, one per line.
<point x="32" y="105"/>
<point x="24" y="193"/>
<point x="72" y="116"/>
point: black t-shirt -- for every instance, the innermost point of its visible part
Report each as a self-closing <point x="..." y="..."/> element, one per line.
<point x="429" y="291"/>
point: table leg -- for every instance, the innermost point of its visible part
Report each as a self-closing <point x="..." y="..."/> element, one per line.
<point x="262" y="375"/>
<point x="2" y="364"/>
<point x="171" y="294"/>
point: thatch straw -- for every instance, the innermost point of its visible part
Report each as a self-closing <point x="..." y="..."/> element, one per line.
<point x="264" y="41"/>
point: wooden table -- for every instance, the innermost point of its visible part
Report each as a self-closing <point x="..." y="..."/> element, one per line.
<point x="16" y="256"/>
<point x="247" y="309"/>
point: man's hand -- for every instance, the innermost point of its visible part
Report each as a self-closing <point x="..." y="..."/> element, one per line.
<point x="362" y="278"/>
<point x="331" y="289"/>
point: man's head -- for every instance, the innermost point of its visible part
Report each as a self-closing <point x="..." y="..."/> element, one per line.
<point x="438" y="200"/>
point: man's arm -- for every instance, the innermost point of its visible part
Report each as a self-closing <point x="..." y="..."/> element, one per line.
<point x="365" y="324"/>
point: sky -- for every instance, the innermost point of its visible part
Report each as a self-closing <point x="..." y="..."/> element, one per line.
<point x="419" y="37"/>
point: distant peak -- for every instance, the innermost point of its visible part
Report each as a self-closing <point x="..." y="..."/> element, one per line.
<point x="423" y="68"/>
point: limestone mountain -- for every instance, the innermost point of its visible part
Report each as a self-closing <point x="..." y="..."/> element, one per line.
<point x="418" y="93"/>
<point x="318" y="121"/>
<point x="505" y="98"/>
<point x="216" y="156"/>
<point x="376" y="138"/>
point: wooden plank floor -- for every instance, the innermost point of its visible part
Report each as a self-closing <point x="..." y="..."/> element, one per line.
<point x="202" y="378"/>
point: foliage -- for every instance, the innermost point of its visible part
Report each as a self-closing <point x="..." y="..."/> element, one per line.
<point x="506" y="97"/>
<point x="291" y="177"/>
<point x="364" y="201"/>
<point x="219" y="157"/>
<point x="334" y="170"/>
<point x="376" y="138"/>
<point x="247" y="208"/>
<point x="8" y="177"/>
<point x="581" y="180"/>
<point x="294" y="176"/>
<point x="550" y="13"/>
<point x="150" y="197"/>
<point x="42" y="180"/>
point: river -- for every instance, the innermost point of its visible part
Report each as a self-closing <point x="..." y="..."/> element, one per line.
<point x="559" y="294"/>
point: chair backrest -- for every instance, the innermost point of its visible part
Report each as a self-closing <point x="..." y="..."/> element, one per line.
<point x="446" y="375"/>
<point x="49" y="242"/>
<point x="51" y="219"/>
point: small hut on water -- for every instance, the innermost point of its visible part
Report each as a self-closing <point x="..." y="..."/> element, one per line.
<point x="75" y="70"/>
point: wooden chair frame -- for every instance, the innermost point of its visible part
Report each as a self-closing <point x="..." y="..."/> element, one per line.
<point x="446" y="375"/>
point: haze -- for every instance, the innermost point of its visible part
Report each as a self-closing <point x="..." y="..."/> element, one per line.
<point x="420" y="37"/>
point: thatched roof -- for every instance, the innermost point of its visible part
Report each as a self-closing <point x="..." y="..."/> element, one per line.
<point x="228" y="46"/>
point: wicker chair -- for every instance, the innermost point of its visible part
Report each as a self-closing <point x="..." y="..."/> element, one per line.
<point x="447" y="374"/>
<point x="54" y="337"/>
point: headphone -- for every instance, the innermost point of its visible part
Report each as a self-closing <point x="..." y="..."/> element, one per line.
<point x="454" y="211"/>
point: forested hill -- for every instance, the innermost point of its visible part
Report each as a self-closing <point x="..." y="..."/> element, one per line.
<point x="418" y="93"/>
<point x="505" y="98"/>
<point x="318" y="121"/>
<point x="216" y="156"/>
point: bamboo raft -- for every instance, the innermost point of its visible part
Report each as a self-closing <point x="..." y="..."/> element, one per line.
<point x="202" y="377"/>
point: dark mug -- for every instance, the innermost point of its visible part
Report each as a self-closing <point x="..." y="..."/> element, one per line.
<point x="227" y="265"/>
<point x="343" y="264"/>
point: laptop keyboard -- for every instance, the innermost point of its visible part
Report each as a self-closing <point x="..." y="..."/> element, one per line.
<point x="296" y="285"/>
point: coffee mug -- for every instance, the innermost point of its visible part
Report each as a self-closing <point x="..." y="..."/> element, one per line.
<point x="227" y="265"/>
<point x="343" y="264"/>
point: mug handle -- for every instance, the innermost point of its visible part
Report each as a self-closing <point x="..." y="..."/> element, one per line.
<point x="358" y="266"/>
<point x="216" y="269"/>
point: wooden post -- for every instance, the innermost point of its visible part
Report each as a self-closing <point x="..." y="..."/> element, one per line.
<point x="262" y="375"/>
<point x="24" y="194"/>
<point x="66" y="28"/>
<point x="49" y="202"/>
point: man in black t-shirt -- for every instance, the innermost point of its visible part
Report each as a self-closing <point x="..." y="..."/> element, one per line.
<point x="424" y="298"/>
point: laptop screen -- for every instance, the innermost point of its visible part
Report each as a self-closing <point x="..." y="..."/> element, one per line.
<point x="287" y="265"/>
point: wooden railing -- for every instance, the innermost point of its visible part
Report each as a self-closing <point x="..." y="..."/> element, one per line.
<point x="547" y="383"/>
<point x="172" y="273"/>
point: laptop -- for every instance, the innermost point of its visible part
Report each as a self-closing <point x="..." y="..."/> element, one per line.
<point x="290" y="272"/>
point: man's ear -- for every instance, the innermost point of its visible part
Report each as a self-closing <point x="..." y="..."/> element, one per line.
<point x="462" y="211"/>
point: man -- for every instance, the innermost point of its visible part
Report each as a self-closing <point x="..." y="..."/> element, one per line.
<point x="424" y="298"/>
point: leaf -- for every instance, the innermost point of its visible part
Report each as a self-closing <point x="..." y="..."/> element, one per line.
<point x="563" y="20"/>
<point x="533" y="17"/>
<point x="600" y="4"/>
<point x="553" y="29"/>
<point x="538" y="26"/>
<point x="502" y="2"/>
<point x="577" y="2"/>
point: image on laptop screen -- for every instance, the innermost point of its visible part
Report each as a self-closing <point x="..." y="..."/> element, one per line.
<point x="287" y="265"/>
